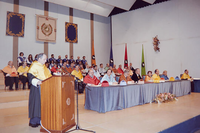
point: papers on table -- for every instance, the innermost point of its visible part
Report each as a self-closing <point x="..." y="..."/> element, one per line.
<point x="130" y="82"/>
<point x="196" y="78"/>
<point x="94" y="85"/>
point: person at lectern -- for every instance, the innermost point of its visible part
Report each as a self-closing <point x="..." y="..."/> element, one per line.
<point x="36" y="74"/>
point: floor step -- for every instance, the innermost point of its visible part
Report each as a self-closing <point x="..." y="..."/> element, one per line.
<point x="14" y="93"/>
<point x="10" y="99"/>
<point x="14" y="104"/>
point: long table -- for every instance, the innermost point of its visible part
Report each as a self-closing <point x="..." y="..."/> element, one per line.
<point x="104" y="99"/>
<point x="196" y="85"/>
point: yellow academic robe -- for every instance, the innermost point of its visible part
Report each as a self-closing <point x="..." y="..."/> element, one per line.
<point x="39" y="71"/>
<point x="21" y="69"/>
<point x="155" y="76"/>
<point x="185" y="76"/>
<point x="77" y="74"/>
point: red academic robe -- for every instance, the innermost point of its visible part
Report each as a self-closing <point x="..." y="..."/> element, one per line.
<point x="90" y="80"/>
<point x="54" y="69"/>
<point x="120" y="71"/>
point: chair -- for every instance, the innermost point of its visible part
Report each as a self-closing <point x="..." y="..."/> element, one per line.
<point x="144" y="77"/>
<point x="181" y="75"/>
<point x="19" y="83"/>
<point x="4" y="80"/>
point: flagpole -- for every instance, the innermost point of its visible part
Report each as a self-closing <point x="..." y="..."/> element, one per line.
<point x="111" y="62"/>
<point x="143" y="70"/>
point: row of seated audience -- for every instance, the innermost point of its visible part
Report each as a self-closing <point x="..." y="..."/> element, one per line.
<point x="91" y="73"/>
<point x="13" y="76"/>
<point x="51" y="60"/>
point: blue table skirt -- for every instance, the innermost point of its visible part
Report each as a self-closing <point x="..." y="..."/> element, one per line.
<point x="196" y="85"/>
<point x="104" y="99"/>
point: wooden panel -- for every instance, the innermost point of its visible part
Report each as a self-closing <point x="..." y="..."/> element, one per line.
<point x="15" y="39"/>
<point x="55" y="113"/>
<point x="46" y="13"/>
<point x="71" y="21"/>
<point x="68" y="105"/>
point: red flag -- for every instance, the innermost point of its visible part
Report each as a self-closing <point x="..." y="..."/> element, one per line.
<point x="125" y="57"/>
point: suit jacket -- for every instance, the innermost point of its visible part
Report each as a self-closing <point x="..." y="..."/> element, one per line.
<point x="135" y="77"/>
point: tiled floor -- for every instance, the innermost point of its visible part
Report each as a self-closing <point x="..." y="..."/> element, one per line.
<point x="148" y="118"/>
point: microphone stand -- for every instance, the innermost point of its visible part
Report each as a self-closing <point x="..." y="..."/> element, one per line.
<point x="77" y="113"/>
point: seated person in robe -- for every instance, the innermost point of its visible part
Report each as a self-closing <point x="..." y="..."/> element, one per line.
<point x="77" y="73"/>
<point x="65" y="69"/>
<point x="23" y="70"/>
<point x="21" y="58"/>
<point x="55" y="69"/>
<point x="84" y="62"/>
<point x="101" y="70"/>
<point x="71" y="68"/>
<point x="60" y="64"/>
<point x="86" y="69"/>
<point x="164" y="75"/>
<point x="109" y="77"/>
<point x="11" y="76"/>
<point x="67" y="64"/>
<point x="113" y="74"/>
<point x="126" y="77"/>
<point x="47" y="65"/>
<point x="131" y="67"/>
<point x="136" y="76"/>
<point x="78" y="60"/>
<point x="186" y="75"/>
<point x="130" y="71"/>
<point x="148" y="76"/>
<point x="51" y="64"/>
<point x="114" y="69"/>
<point x="51" y="59"/>
<point x="58" y="60"/>
<point x="156" y="75"/>
<point x="125" y="68"/>
<point x="96" y="72"/>
<point x="91" y="78"/>
<point x="120" y="69"/>
<point x="107" y="67"/>
<point x="29" y="60"/>
<point x="71" y="59"/>
<point x="81" y="67"/>
<point x="65" y="59"/>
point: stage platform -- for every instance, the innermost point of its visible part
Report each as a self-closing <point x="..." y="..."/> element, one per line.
<point x="147" y="118"/>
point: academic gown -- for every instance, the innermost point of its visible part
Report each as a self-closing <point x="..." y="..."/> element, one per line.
<point x="34" y="99"/>
<point x="122" y="77"/>
<point x="91" y="80"/>
<point x="135" y="77"/>
<point x="40" y="72"/>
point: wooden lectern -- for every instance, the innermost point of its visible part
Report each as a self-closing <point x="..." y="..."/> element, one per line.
<point x="57" y="104"/>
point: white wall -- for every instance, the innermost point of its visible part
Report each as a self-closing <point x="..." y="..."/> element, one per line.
<point x="29" y="45"/>
<point x="177" y="25"/>
<point x="6" y="42"/>
<point x="102" y="40"/>
<point x="83" y="47"/>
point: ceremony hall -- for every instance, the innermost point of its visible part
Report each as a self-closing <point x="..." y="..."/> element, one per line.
<point x="100" y="66"/>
